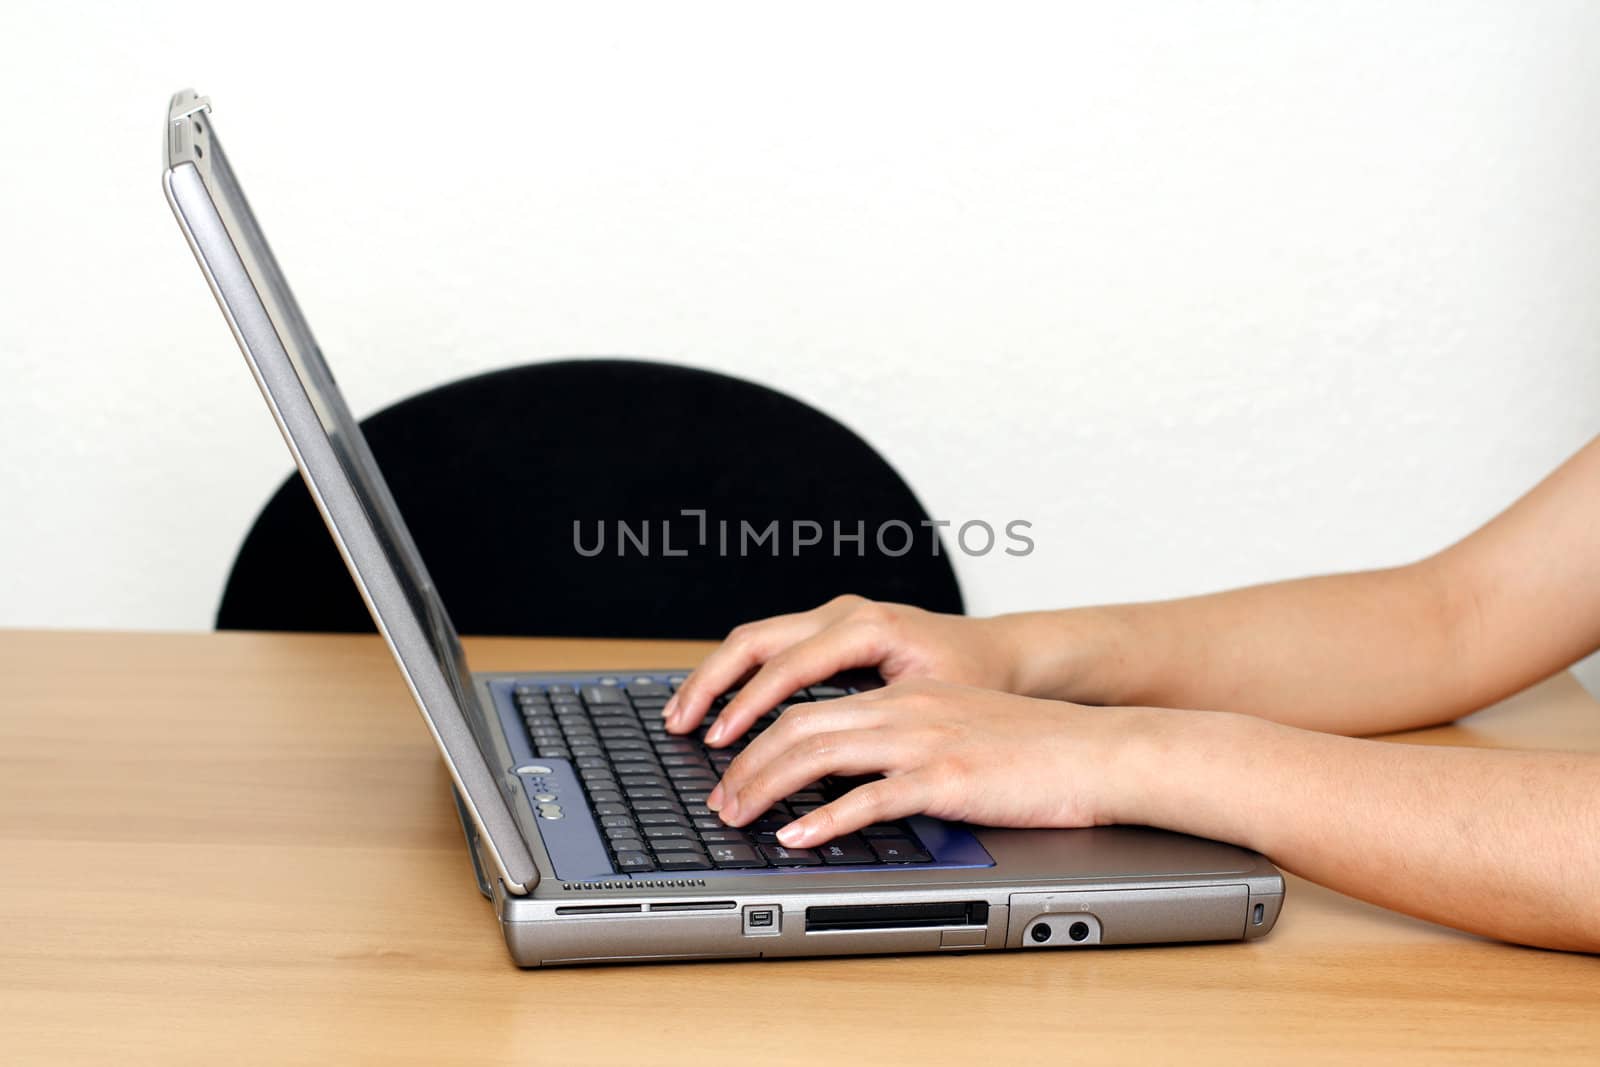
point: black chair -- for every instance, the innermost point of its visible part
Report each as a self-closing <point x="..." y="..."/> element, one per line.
<point x="508" y="479"/>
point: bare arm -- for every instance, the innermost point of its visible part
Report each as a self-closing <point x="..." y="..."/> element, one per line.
<point x="1354" y="653"/>
<point x="1501" y="843"/>
<point x="1496" y="842"/>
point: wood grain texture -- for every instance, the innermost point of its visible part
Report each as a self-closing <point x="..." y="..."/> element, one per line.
<point x="241" y="846"/>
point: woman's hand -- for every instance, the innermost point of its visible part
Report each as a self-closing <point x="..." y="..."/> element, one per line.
<point x="789" y="652"/>
<point x="952" y="752"/>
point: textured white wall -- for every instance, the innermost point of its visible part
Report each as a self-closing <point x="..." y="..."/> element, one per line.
<point x="1210" y="293"/>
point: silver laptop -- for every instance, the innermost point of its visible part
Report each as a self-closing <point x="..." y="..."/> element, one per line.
<point x="586" y="821"/>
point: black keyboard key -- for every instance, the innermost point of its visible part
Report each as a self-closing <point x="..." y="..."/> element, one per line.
<point x="708" y="822"/>
<point x="554" y="752"/>
<point x="605" y="796"/>
<point x="656" y="833"/>
<point x="683" y="861"/>
<point x="807" y="797"/>
<point x="768" y="824"/>
<point x="883" y="829"/>
<point x="621" y="832"/>
<point x="685" y="775"/>
<point x="825" y="692"/>
<point x="585" y="762"/>
<point x="662" y="818"/>
<point x="634" y="861"/>
<point x="846" y="850"/>
<point x="898" y="850"/>
<point x="606" y="808"/>
<point x="735" y="856"/>
<point x="646" y="778"/>
<point x="626" y="844"/>
<point x="592" y="775"/>
<point x="685" y="759"/>
<point x="603" y="694"/>
<point x="725" y="836"/>
<point x="609" y="821"/>
<point x="647" y="792"/>
<point x="696" y="810"/>
<point x="677" y="844"/>
<point x="779" y="856"/>
<point x="645" y="807"/>
<point x="648" y="688"/>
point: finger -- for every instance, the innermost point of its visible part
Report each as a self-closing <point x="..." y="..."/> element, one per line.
<point x="841" y="752"/>
<point x="814" y="659"/>
<point x="744" y="648"/>
<point x="800" y="721"/>
<point x="881" y="800"/>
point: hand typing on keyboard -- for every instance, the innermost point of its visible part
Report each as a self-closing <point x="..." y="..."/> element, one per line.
<point x="648" y="788"/>
<point x="790" y="652"/>
<point x="954" y="752"/>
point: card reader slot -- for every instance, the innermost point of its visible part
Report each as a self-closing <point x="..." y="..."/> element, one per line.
<point x="896" y="916"/>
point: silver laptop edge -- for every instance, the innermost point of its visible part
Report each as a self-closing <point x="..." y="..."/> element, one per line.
<point x="268" y="325"/>
<point x="1044" y="888"/>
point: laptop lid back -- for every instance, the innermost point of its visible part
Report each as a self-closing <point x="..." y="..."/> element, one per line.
<point x="338" y="468"/>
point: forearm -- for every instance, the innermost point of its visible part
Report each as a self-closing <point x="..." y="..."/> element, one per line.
<point x="1350" y="653"/>
<point x="1501" y="843"/>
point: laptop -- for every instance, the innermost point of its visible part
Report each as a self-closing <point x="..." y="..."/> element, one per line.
<point x="585" y="820"/>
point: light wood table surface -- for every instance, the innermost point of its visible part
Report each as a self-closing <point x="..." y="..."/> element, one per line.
<point x="241" y="848"/>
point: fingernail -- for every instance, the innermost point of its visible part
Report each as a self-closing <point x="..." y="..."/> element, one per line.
<point x="714" y="737"/>
<point x="671" y="709"/>
<point x="796" y="833"/>
<point x="730" y="811"/>
<point x="714" y="798"/>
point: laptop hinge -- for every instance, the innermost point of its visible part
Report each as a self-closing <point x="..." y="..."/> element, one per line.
<point x="471" y="831"/>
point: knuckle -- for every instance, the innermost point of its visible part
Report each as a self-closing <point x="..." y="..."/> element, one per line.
<point x="799" y="716"/>
<point x="872" y="613"/>
<point x="817" y="749"/>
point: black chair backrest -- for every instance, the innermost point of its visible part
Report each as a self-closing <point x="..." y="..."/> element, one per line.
<point x="509" y="480"/>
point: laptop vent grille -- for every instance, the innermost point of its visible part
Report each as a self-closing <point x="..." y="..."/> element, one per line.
<point x="641" y="883"/>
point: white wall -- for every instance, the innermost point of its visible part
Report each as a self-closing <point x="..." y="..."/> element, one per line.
<point x="1212" y="293"/>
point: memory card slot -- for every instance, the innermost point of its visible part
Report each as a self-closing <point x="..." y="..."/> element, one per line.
<point x="896" y="916"/>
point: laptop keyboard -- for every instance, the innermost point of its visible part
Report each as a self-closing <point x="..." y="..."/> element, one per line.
<point x="647" y="788"/>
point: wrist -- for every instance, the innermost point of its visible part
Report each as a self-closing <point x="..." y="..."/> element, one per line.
<point x="1079" y="654"/>
<point x="1019" y="645"/>
<point x="1186" y="771"/>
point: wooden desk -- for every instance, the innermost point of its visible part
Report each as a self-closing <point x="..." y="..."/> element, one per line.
<point x="240" y="847"/>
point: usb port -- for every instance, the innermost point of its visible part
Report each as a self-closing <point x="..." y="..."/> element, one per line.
<point x="761" y="920"/>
